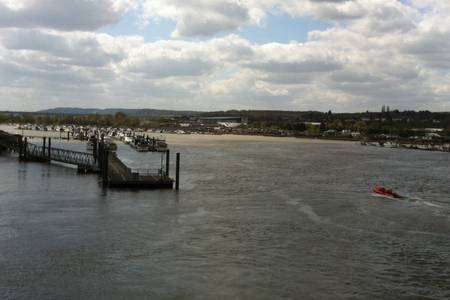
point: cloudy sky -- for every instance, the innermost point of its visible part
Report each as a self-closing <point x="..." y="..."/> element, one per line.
<point x="343" y="55"/>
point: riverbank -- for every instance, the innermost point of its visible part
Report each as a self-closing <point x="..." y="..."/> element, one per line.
<point x="211" y="139"/>
<point x="186" y="139"/>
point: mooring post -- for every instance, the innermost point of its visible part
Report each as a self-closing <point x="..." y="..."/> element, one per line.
<point x="49" y="149"/>
<point x="94" y="150"/>
<point x="167" y="162"/>
<point x="44" y="145"/>
<point x="177" y="172"/>
<point x="20" y="141"/>
<point x="100" y="157"/>
<point x="25" y="149"/>
<point x="105" y="168"/>
<point x="68" y="135"/>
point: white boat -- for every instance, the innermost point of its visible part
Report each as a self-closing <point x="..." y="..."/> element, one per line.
<point x="128" y="140"/>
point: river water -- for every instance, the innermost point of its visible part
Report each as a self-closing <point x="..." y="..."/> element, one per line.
<point x="255" y="218"/>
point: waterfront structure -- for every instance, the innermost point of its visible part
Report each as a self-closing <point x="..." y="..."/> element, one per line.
<point x="113" y="171"/>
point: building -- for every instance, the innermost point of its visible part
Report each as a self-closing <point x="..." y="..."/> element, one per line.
<point x="229" y="122"/>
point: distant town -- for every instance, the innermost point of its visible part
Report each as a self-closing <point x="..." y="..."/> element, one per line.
<point x="385" y="124"/>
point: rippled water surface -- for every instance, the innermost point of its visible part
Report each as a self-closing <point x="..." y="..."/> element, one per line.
<point x="256" y="219"/>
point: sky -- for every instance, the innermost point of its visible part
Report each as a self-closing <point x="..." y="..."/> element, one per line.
<point x="339" y="55"/>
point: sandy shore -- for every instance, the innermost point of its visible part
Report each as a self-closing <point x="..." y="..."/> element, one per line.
<point x="192" y="139"/>
<point x="187" y="139"/>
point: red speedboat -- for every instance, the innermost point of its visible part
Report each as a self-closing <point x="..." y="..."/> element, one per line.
<point x="379" y="190"/>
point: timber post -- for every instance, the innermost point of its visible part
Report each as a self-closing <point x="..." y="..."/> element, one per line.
<point x="167" y="162"/>
<point x="105" y="167"/>
<point x="44" y="146"/>
<point x="49" y="149"/>
<point x="177" y="172"/>
<point x="20" y="142"/>
<point x="100" y="157"/>
<point x="25" y="149"/>
<point x="95" y="150"/>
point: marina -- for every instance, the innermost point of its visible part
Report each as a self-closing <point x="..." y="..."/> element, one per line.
<point x="142" y="141"/>
<point x="101" y="159"/>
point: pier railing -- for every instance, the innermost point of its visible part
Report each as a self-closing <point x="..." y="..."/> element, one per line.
<point x="81" y="159"/>
<point x="117" y="166"/>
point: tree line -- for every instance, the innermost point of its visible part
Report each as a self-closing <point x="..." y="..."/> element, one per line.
<point x="387" y="121"/>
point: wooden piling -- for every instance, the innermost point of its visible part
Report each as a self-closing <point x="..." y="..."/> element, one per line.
<point x="49" y="149"/>
<point x="25" y="149"/>
<point x="105" y="165"/>
<point x="167" y="162"/>
<point x="100" y="157"/>
<point x="95" y="150"/>
<point x="177" y="172"/>
<point x="20" y="142"/>
<point x="44" y="145"/>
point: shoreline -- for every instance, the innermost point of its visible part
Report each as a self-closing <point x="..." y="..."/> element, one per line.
<point x="247" y="138"/>
<point x="205" y="139"/>
<point x="183" y="138"/>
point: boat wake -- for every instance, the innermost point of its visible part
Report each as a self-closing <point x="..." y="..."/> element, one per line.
<point x="420" y="201"/>
<point x="388" y="197"/>
<point x="430" y="204"/>
<point x="409" y="198"/>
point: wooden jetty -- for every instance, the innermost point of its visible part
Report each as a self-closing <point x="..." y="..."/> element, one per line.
<point x="120" y="176"/>
<point x="113" y="171"/>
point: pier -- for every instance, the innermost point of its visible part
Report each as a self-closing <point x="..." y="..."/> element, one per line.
<point x="114" y="173"/>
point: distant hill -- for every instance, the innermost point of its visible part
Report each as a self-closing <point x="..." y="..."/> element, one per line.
<point x="113" y="111"/>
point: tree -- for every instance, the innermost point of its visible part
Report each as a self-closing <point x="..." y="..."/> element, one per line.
<point x="360" y="126"/>
<point x="28" y="118"/>
<point x="3" y="118"/>
<point x="447" y="132"/>
<point x="313" y="130"/>
<point x="336" y="125"/>
<point x="119" y="118"/>
<point x="132" y="122"/>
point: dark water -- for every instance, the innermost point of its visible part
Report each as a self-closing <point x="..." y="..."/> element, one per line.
<point x="254" y="220"/>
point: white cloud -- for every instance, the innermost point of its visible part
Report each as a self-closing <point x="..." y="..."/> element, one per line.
<point x="199" y="17"/>
<point x="385" y="52"/>
<point x="208" y="17"/>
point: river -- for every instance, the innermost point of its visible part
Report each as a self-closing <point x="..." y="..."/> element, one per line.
<point x="256" y="218"/>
